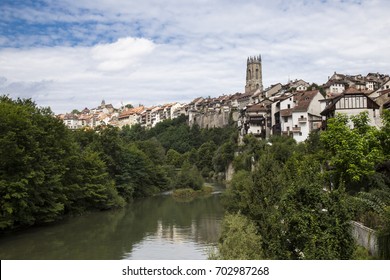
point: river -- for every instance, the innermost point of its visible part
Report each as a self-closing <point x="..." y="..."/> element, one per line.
<point x="157" y="227"/>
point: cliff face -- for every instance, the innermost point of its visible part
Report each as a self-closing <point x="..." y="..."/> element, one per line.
<point x="211" y="119"/>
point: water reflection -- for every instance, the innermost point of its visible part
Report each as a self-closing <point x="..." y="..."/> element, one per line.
<point x="152" y="228"/>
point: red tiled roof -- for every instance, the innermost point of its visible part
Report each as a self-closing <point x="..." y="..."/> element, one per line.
<point x="132" y="111"/>
<point x="256" y="108"/>
<point x="303" y="100"/>
<point x="286" y="112"/>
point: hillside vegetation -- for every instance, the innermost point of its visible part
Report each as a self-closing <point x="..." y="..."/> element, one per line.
<point x="48" y="171"/>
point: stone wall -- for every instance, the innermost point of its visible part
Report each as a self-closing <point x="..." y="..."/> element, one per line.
<point x="365" y="237"/>
<point x="211" y="119"/>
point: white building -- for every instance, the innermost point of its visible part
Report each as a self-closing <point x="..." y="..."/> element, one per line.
<point x="72" y="121"/>
<point x="300" y="114"/>
<point x="352" y="102"/>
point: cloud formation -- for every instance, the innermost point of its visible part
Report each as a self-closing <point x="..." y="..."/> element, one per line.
<point x="71" y="54"/>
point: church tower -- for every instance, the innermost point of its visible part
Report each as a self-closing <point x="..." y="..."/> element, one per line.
<point x="254" y="77"/>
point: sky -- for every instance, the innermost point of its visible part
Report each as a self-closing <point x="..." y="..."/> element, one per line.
<point x="73" y="54"/>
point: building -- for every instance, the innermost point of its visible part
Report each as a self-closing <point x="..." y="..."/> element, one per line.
<point x="351" y="102"/>
<point x="130" y="117"/>
<point x="71" y="121"/>
<point x="254" y="76"/>
<point x="257" y="120"/>
<point x="297" y="114"/>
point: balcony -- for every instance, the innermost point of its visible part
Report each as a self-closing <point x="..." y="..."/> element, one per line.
<point x="302" y="120"/>
<point x="296" y="129"/>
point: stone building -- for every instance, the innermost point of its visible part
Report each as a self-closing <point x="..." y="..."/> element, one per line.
<point x="254" y="76"/>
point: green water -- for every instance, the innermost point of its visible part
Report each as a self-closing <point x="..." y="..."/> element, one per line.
<point x="152" y="228"/>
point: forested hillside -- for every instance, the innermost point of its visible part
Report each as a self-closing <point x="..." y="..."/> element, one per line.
<point x="296" y="201"/>
<point x="285" y="201"/>
<point x="48" y="171"/>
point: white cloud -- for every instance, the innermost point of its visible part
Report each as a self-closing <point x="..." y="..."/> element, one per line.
<point x="121" y="54"/>
<point x="154" y="52"/>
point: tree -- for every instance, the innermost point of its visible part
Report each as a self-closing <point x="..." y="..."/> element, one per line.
<point x="188" y="177"/>
<point x="174" y="158"/>
<point x="316" y="223"/>
<point x="205" y="157"/>
<point x="236" y="197"/>
<point x="355" y="152"/>
<point x="153" y="150"/>
<point x="239" y="239"/>
<point x="223" y="156"/>
<point x="33" y="147"/>
<point x="87" y="184"/>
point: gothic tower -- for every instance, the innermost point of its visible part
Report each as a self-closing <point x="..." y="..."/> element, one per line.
<point x="254" y="77"/>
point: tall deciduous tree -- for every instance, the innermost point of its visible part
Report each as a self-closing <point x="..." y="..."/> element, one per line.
<point x="354" y="152"/>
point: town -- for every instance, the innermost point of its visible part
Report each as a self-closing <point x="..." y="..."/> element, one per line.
<point x="293" y="109"/>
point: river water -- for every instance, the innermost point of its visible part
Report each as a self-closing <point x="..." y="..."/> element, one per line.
<point x="157" y="227"/>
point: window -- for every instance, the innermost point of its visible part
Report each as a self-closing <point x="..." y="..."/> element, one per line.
<point x="285" y="119"/>
<point x="288" y="106"/>
<point x="257" y="73"/>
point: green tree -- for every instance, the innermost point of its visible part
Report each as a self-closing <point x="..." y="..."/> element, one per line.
<point x="153" y="150"/>
<point x="354" y="153"/>
<point x="236" y="197"/>
<point x="88" y="185"/>
<point x="33" y="147"/>
<point x="174" y="158"/>
<point x="316" y="223"/>
<point x="205" y="157"/>
<point x="223" y="156"/>
<point x="188" y="177"/>
<point x="239" y="239"/>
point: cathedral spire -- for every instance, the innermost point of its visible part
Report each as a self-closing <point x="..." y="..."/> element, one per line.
<point x="254" y="77"/>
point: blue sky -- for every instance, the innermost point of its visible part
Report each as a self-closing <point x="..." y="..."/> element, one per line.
<point x="72" y="54"/>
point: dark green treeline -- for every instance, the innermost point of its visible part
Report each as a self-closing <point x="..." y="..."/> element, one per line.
<point x="296" y="201"/>
<point x="48" y="171"/>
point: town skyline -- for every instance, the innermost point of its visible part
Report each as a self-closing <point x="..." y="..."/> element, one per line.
<point x="70" y="54"/>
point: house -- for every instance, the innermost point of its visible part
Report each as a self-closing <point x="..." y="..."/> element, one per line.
<point x="244" y="99"/>
<point x="382" y="98"/>
<point x="176" y="110"/>
<point x="257" y="120"/>
<point x="276" y="111"/>
<point x="306" y="114"/>
<point x="335" y="87"/>
<point x="299" y="114"/>
<point x="298" y="85"/>
<point x="272" y="90"/>
<point x="351" y="102"/>
<point x="71" y="121"/>
<point x="130" y="116"/>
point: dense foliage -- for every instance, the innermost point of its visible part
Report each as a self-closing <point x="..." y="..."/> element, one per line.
<point x="302" y="197"/>
<point x="285" y="201"/>
<point x="48" y="171"/>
